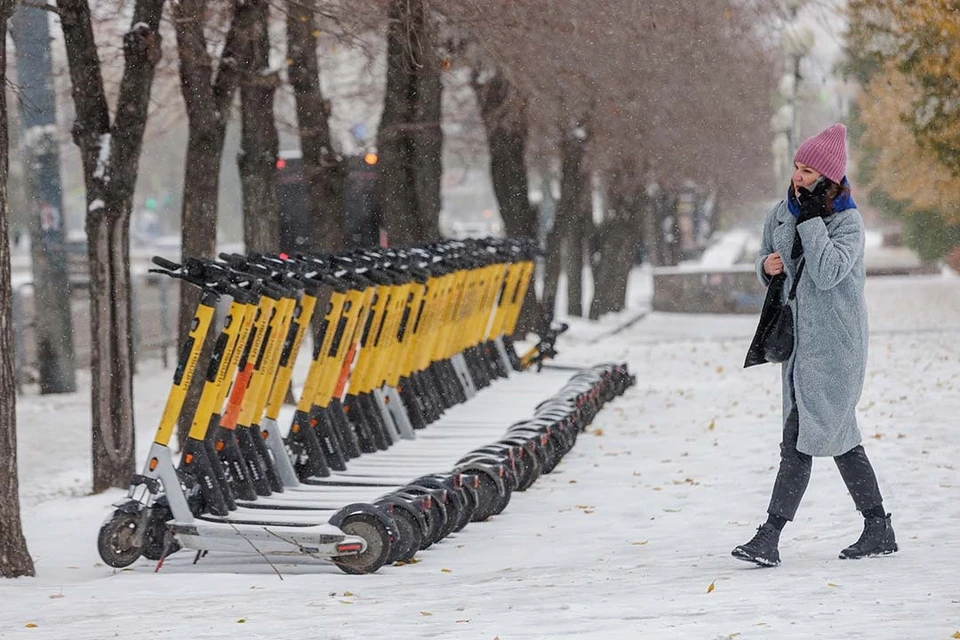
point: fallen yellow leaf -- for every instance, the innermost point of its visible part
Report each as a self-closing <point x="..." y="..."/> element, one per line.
<point x="29" y="625"/>
<point x="241" y="620"/>
<point x="830" y="584"/>
<point x="711" y="587"/>
<point x="425" y="613"/>
<point x="640" y="544"/>
<point x="56" y="595"/>
<point x="598" y="432"/>
<point x="573" y="482"/>
<point x="346" y="602"/>
<point x="445" y="571"/>
<point x="400" y="563"/>
<point x="347" y="594"/>
<point x="956" y="635"/>
<point x="713" y="425"/>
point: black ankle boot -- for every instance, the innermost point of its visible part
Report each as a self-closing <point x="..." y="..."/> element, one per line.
<point x="877" y="539"/>
<point x="762" y="550"/>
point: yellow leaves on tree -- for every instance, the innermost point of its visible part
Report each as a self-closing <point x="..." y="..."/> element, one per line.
<point x="921" y="40"/>
<point x="903" y="169"/>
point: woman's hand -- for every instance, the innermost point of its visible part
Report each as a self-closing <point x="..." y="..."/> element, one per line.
<point x="773" y="265"/>
<point x="813" y="204"/>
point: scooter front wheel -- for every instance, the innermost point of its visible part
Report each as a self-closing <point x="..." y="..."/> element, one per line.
<point x="378" y="544"/>
<point x="159" y="543"/>
<point x="118" y="542"/>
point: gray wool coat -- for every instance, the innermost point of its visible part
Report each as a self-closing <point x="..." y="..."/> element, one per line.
<point x="824" y="375"/>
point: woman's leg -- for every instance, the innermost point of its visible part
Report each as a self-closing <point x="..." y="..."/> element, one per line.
<point x="794" y="473"/>
<point x="878" y="537"/>
<point x="861" y="481"/>
<point x="792" y="479"/>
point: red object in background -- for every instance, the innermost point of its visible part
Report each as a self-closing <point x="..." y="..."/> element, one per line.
<point x="953" y="259"/>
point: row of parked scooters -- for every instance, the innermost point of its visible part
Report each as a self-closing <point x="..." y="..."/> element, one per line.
<point x="399" y="337"/>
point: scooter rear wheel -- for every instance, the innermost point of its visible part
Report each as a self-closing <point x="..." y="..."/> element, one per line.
<point x="501" y="502"/>
<point x="410" y="537"/>
<point x="378" y="544"/>
<point x="488" y="495"/>
<point x="116" y="540"/>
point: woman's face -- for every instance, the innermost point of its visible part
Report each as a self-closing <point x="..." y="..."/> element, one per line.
<point x="804" y="176"/>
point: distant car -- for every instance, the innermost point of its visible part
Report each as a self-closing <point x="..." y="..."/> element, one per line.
<point x="462" y="230"/>
<point x="486" y="225"/>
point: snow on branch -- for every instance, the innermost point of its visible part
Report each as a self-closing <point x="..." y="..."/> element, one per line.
<point x="103" y="158"/>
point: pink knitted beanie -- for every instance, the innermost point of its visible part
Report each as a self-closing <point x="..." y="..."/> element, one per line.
<point x="826" y="152"/>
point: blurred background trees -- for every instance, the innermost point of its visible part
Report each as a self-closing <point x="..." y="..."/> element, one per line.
<point x="905" y="57"/>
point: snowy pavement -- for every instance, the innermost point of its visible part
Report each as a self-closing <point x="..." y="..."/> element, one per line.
<point x="628" y="538"/>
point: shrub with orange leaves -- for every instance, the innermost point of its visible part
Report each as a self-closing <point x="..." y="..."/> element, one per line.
<point x="903" y="168"/>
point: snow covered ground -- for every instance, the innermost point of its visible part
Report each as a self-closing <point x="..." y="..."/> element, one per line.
<point x="629" y="538"/>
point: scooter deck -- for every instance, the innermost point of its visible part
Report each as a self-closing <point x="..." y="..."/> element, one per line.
<point x="318" y="540"/>
<point x="279" y="518"/>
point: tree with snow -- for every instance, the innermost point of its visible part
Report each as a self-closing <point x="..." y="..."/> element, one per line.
<point x="110" y="151"/>
<point x="14" y="557"/>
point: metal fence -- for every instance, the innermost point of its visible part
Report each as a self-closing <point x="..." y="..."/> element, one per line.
<point x="154" y="305"/>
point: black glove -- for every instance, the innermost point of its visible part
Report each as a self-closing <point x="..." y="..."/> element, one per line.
<point x="813" y="204"/>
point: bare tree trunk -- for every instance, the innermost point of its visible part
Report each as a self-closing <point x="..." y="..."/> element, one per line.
<point x="398" y="197"/>
<point x="15" y="560"/>
<point x="565" y="242"/>
<point x="653" y="227"/>
<point x="616" y="243"/>
<point x="505" y="122"/>
<point x="427" y="136"/>
<point x="110" y="154"/>
<point x="578" y="232"/>
<point x="207" y="98"/>
<point x="670" y="231"/>
<point x="554" y="263"/>
<point x="258" y="144"/>
<point x="409" y="139"/>
<point x="323" y="170"/>
<point x="40" y="155"/>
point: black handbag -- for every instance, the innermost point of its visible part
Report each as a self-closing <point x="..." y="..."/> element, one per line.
<point x="773" y="340"/>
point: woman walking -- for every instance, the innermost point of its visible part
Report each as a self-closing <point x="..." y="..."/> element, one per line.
<point x="816" y="237"/>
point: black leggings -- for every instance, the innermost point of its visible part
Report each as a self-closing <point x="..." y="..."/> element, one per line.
<point x="794" y="474"/>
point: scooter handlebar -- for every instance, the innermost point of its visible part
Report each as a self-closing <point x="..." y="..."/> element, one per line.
<point x="165" y="264"/>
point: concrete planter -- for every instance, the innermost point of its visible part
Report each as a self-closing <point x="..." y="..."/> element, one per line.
<point x="732" y="289"/>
